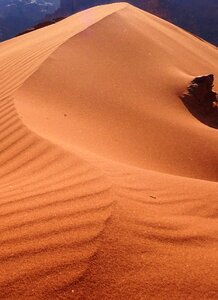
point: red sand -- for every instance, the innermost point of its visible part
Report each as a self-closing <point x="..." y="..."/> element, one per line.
<point x="108" y="185"/>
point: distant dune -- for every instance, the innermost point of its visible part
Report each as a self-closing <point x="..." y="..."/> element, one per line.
<point x="108" y="184"/>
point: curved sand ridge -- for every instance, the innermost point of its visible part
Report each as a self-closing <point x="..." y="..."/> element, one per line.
<point x="89" y="209"/>
<point x="120" y="95"/>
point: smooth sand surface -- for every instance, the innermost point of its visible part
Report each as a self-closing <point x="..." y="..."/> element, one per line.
<point x="108" y="185"/>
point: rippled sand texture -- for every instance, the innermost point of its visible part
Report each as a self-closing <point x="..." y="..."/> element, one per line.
<point x="108" y="185"/>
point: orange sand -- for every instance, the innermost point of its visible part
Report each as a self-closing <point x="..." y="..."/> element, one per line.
<point x="108" y="185"/>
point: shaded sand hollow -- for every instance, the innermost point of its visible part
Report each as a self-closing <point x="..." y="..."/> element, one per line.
<point x="108" y="185"/>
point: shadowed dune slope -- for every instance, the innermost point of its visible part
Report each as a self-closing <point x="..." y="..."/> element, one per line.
<point x="108" y="185"/>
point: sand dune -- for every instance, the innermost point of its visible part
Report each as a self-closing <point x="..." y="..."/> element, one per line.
<point x="108" y="185"/>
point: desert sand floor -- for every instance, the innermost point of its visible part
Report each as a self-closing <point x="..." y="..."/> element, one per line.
<point x="108" y="185"/>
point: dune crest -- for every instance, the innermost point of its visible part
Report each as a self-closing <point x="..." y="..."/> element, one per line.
<point x="108" y="185"/>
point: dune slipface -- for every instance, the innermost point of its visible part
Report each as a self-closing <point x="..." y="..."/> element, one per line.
<point x="108" y="184"/>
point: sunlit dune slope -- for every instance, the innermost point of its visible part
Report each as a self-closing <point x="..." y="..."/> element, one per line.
<point x="120" y="95"/>
<point x="108" y="185"/>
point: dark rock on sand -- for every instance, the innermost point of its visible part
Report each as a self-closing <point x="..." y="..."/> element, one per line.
<point x="201" y="100"/>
